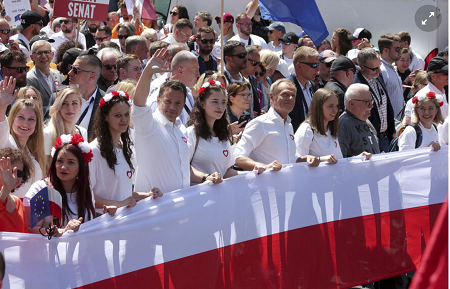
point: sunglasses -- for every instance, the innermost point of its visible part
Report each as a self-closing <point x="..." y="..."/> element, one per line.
<point x="65" y="21"/>
<point x="205" y="41"/>
<point x="109" y="66"/>
<point x="40" y="53"/>
<point x="261" y="74"/>
<point x="398" y="49"/>
<point x="240" y="55"/>
<point x="174" y="13"/>
<point x="20" y="174"/>
<point x="367" y="102"/>
<point x="5" y="31"/>
<point x="312" y="65"/>
<point x="20" y="69"/>
<point x="373" y="69"/>
<point x="77" y="70"/>
<point x="100" y="38"/>
<point x="444" y="72"/>
<point x="254" y="63"/>
<point x="122" y="36"/>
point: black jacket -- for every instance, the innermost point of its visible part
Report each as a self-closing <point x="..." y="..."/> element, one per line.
<point x="340" y="90"/>
<point x="297" y="115"/>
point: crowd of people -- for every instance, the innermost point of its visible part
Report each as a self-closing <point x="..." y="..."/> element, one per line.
<point x="126" y="110"/>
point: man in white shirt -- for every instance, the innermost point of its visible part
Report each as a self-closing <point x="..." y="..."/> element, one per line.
<point x="276" y="30"/>
<point x="268" y="140"/>
<point x="182" y="31"/>
<point x="68" y="33"/>
<point x="162" y="147"/>
<point x="244" y="27"/>
<point x="30" y="25"/>
<point x="437" y="75"/>
<point x="417" y="61"/>
<point x="390" y="50"/>
<point x="288" y="46"/>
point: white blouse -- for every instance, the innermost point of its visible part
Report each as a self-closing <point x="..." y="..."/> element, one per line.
<point x="308" y="142"/>
<point x="407" y="140"/>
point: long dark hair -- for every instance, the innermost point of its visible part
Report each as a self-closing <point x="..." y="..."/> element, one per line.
<point x="82" y="187"/>
<point x="183" y="12"/>
<point x="315" y="115"/>
<point x="103" y="134"/>
<point x="198" y="118"/>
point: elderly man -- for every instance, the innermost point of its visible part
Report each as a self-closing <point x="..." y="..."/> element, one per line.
<point x="68" y="33"/>
<point x="244" y="27"/>
<point x="108" y="76"/>
<point x="41" y="76"/>
<point x="382" y="114"/>
<point x="128" y="67"/>
<point x="162" y="147"/>
<point x="357" y="136"/>
<point x="85" y="72"/>
<point x="31" y="24"/>
<point x="182" y="31"/>
<point x="275" y="31"/>
<point x="205" y="41"/>
<point x="306" y="64"/>
<point x="342" y="73"/>
<point x="268" y="141"/>
<point x="326" y="58"/>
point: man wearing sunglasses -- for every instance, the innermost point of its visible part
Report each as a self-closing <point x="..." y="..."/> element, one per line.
<point x="30" y="25"/>
<point x="382" y="114"/>
<point x="306" y="65"/>
<point x="14" y="64"/>
<point x="206" y="38"/>
<point x="244" y="27"/>
<point x="326" y="58"/>
<point x="103" y="34"/>
<point x="390" y="50"/>
<point x="108" y="76"/>
<point x="288" y="45"/>
<point x="275" y="31"/>
<point x="182" y="31"/>
<point x="68" y="33"/>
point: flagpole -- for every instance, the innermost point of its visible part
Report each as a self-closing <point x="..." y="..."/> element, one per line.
<point x="78" y="32"/>
<point x="221" y="38"/>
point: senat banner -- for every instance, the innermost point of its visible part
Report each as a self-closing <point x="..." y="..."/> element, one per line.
<point x="334" y="226"/>
<point x="82" y="9"/>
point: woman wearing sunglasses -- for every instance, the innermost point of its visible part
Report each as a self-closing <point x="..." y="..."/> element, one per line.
<point x="64" y="114"/>
<point x="23" y="130"/>
<point x="178" y="12"/>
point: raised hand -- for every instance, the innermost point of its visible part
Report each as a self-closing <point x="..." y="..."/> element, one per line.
<point x="7" y="93"/>
<point x="8" y="175"/>
<point x="158" y="61"/>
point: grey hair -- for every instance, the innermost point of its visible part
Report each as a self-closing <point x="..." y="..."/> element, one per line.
<point x="181" y="57"/>
<point x="274" y="86"/>
<point x="133" y="41"/>
<point x="56" y="22"/>
<point x="107" y="49"/>
<point x="251" y="50"/>
<point x="176" y="47"/>
<point x="367" y="54"/>
<point x="353" y="91"/>
<point x="149" y="32"/>
<point x="206" y="16"/>
<point x="131" y="30"/>
<point x="40" y="43"/>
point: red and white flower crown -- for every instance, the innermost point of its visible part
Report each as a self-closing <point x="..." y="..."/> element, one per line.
<point x="430" y="95"/>
<point x="76" y="140"/>
<point x="202" y="89"/>
<point x="113" y="94"/>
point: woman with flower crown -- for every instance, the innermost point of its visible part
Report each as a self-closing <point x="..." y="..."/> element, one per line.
<point x="427" y="112"/>
<point x="69" y="175"/>
<point x="112" y="149"/>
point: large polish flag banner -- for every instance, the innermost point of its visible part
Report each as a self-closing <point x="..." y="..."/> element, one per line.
<point x="334" y="226"/>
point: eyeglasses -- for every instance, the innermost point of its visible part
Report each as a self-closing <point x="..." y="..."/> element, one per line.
<point x="40" y="53"/>
<point x="398" y="49"/>
<point x="5" y="31"/>
<point x="186" y="35"/>
<point x="270" y="32"/>
<point x="76" y="70"/>
<point x="100" y="38"/>
<point x="109" y="66"/>
<point x="122" y="36"/>
<point x="20" y="174"/>
<point x="261" y="74"/>
<point x="205" y="41"/>
<point x="40" y="23"/>
<point x="254" y="63"/>
<point x="327" y="64"/>
<point x="240" y="55"/>
<point x="20" y="69"/>
<point x="367" y="102"/>
<point x="245" y="24"/>
<point x="174" y="13"/>
<point x="444" y="72"/>
<point x="245" y="96"/>
<point x="373" y="69"/>
<point x="312" y="65"/>
<point x="65" y="21"/>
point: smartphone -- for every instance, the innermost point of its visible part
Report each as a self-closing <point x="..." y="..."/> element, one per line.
<point x="244" y="119"/>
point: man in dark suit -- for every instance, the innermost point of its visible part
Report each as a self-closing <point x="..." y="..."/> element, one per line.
<point x="342" y="74"/>
<point x="382" y="114"/>
<point x="85" y="73"/>
<point x="306" y="67"/>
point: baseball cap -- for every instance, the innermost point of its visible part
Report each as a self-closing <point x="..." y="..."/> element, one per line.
<point x="40" y="37"/>
<point x="360" y="33"/>
<point x="227" y="17"/>
<point x="276" y="26"/>
<point x="69" y="56"/>
<point x="28" y="18"/>
<point x="289" y="37"/>
<point x="438" y="63"/>
<point x="343" y="63"/>
<point x="353" y="53"/>
<point x="327" y="56"/>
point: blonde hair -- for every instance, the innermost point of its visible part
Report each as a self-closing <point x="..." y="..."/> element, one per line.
<point x="57" y="121"/>
<point x="35" y="141"/>
<point x="438" y="118"/>
<point x="23" y="91"/>
<point x="128" y="86"/>
<point x="269" y="58"/>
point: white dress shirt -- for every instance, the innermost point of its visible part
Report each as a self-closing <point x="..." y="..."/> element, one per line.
<point x="267" y="138"/>
<point x="169" y="39"/>
<point x="274" y="48"/>
<point x="60" y="38"/>
<point x="255" y="40"/>
<point x="162" y="151"/>
<point x="87" y="104"/>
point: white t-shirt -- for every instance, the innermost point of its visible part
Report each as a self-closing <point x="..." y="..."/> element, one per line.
<point x="308" y="142"/>
<point x="255" y="40"/>
<point x="211" y="155"/>
<point x="60" y="38"/>
<point x="71" y="201"/>
<point x="407" y="139"/>
<point x="48" y="137"/>
<point x="267" y="138"/>
<point x="274" y="48"/>
<point x="162" y="151"/>
<point x="169" y="39"/>
<point x="106" y="183"/>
